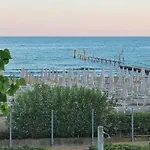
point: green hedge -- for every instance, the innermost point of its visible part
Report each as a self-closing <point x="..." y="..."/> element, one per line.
<point x="72" y="114"/>
<point x="24" y="148"/>
<point x="72" y="111"/>
<point x="120" y="123"/>
<point x="121" y="147"/>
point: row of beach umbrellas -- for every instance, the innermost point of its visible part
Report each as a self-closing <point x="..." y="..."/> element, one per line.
<point x="123" y="86"/>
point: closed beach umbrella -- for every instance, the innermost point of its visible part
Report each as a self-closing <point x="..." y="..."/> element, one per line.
<point x="111" y="77"/>
<point x="56" y="78"/>
<point x="131" y="83"/>
<point x="102" y="80"/>
<point x="22" y="74"/>
<point x="127" y="73"/>
<point x="52" y="75"/>
<point x="49" y="74"/>
<point x="88" y="73"/>
<point x="148" y="80"/>
<point x="137" y="76"/>
<point x="69" y="82"/>
<point x="143" y="86"/>
<point x="124" y="91"/>
<point x="45" y="74"/>
<point x="143" y="72"/>
<point x="132" y="72"/>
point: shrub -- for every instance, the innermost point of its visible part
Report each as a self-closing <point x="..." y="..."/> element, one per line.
<point x="120" y="123"/>
<point x="121" y="147"/>
<point x="24" y="148"/>
<point x="72" y="111"/>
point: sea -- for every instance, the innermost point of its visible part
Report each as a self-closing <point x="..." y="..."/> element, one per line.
<point x="36" y="53"/>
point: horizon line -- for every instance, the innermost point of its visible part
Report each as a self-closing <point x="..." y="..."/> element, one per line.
<point x="73" y="36"/>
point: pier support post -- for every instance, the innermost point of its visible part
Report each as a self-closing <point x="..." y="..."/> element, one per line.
<point x="84" y="54"/>
<point x="75" y="53"/>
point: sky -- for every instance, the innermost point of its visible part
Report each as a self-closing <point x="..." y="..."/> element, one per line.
<point x="74" y="17"/>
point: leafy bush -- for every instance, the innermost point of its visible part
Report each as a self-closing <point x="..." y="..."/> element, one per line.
<point x="72" y="111"/>
<point x="121" y="147"/>
<point x="24" y="148"/>
<point x="120" y="123"/>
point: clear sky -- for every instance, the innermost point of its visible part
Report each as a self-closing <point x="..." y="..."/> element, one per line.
<point x="74" y="17"/>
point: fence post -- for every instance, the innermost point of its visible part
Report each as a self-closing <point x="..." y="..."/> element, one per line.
<point x="132" y="126"/>
<point x="92" y="126"/>
<point x="52" y="128"/>
<point x="100" y="138"/>
<point x="10" y="128"/>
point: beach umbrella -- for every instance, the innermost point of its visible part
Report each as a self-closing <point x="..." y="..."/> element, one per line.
<point x="78" y="79"/>
<point x="22" y="73"/>
<point x="69" y="82"/>
<point x="102" y="79"/>
<point x="111" y="89"/>
<point x="124" y="91"/>
<point x="137" y="76"/>
<point x="53" y="74"/>
<point x="71" y="74"/>
<point x="64" y="73"/>
<point x="56" y="77"/>
<point x="49" y="74"/>
<point x="131" y="83"/>
<point x="45" y="74"/>
<point x="132" y="72"/>
<point x="127" y="73"/>
<point x="123" y="72"/>
<point x="143" y="86"/>
<point x="111" y="77"/>
<point x="27" y="77"/>
<point x="63" y="81"/>
<point x="88" y="73"/>
<point x="143" y="72"/>
<point x="148" y="80"/>
<point x="136" y="88"/>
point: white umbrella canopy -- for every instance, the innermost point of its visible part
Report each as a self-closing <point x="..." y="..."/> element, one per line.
<point x="111" y="89"/>
<point x="143" y="86"/>
<point x="148" y="80"/>
<point x="22" y="73"/>
<point x="56" y="77"/>
<point x="69" y="82"/>
<point x="124" y="94"/>
<point x="63" y="81"/>
<point x="123" y="72"/>
<point x="49" y="74"/>
<point x="131" y="83"/>
<point x="52" y="75"/>
<point x="132" y="72"/>
<point x="64" y="73"/>
<point x="137" y="76"/>
<point x="88" y="73"/>
<point x="102" y="80"/>
<point x="127" y="74"/>
<point x="78" y="78"/>
<point x="143" y="72"/>
<point x="45" y="74"/>
<point x="111" y="77"/>
<point x="71" y="74"/>
<point x="42" y="74"/>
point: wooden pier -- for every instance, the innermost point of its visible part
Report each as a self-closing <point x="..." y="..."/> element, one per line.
<point x="97" y="59"/>
<point x="119" y="62"/>
<point x="147" y="70"/>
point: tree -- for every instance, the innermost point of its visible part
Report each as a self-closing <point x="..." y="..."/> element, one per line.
<point x="8" y="85"/>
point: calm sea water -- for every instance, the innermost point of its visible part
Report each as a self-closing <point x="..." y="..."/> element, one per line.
<point x="35" y="53"/>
